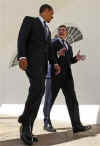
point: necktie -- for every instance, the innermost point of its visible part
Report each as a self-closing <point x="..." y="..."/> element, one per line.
<point x="46" y="30"/>
<point x="65" y="45"/>
<point x="45" y="24"/>
<point x="63" y="41"/>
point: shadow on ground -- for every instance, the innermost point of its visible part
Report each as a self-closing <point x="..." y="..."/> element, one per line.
<point x="60" y="137"/>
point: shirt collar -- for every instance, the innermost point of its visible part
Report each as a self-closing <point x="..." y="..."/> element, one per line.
<point x="41" y="19"/>
<point x="61" y="39"/>
<point x="62" y="42"/>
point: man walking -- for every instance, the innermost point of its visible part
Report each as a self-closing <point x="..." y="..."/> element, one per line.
<point x="33" y="44"/>
<point x="64" y="80"/>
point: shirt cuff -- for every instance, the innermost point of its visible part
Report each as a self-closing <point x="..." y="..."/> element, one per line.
<point x="58" y="55"/>
<point x="22" y="58"/>
<point x="55" y="64"/>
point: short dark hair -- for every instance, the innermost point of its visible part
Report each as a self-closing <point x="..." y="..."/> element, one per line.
<point x="63" y="26"/>
<point x="44" y="7"/>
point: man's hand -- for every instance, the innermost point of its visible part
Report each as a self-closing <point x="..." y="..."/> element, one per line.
<point x="80" y="57"/>
<point x="23" y="63"/>
<point x="61" y="52"/>
<point x="57" y="68"/>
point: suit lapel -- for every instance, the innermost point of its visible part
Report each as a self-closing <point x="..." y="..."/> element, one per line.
<point x="43" y="30"/>
<point x="60" y="46"/>
<point x="41" y="27"/>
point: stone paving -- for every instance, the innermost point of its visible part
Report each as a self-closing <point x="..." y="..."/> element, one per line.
<point x="9" y="134"/>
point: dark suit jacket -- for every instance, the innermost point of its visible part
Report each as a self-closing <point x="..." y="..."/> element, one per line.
<point x="64" y="61"/>
<point x="33" y="45"/>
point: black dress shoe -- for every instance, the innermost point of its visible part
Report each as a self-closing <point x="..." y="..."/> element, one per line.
<point x="48" y="127"/>
<point x="81" y="129"/>
<point x="35" y="139"/>
<point x="25" y="135"/>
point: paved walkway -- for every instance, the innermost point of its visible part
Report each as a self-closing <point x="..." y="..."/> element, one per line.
<point x="9" y="134"/>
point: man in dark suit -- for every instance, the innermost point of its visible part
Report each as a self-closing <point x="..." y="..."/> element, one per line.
<point x="34" y="41"/>
<point x="64" y="80"/>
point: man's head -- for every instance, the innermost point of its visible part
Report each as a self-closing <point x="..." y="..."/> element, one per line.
<point x="62" y="31"/>
<point x="46" y="11"/>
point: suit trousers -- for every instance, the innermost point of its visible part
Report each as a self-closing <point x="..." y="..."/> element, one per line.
<point x="48" y="98"/>
<point x="36" y="78"/>
<point x="67" y="86"/>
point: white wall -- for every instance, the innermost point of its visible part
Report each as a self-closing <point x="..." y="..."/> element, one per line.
<point x="83" y="14"/>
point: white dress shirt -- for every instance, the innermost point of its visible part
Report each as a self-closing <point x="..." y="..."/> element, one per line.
<point x="62" y="44"/>
<point x="45" y="27"/>
<point x="42" y="20"/>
